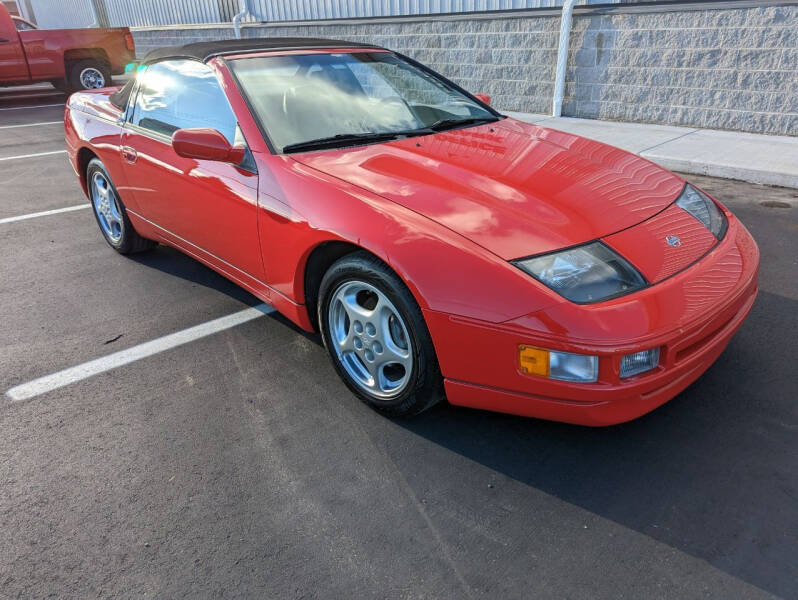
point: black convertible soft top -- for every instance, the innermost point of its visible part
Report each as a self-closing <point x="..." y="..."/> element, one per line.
<point x="205" y="50"/>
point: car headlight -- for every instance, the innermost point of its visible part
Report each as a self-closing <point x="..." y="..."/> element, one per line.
<point x="585" y="274"/>
<point x="703" y="209"/>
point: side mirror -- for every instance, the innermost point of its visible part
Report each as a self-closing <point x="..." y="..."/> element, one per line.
<point x="484" y="98"/>
<point x="206" y="144"/>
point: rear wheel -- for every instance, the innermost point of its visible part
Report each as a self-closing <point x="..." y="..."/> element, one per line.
<point x="89" y="75"/>
<point x="376" y="336"/>
<point x="110" y="213"/>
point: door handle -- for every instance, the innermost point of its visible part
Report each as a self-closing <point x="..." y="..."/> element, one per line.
<point x="4" y="40"/>
<point x="129" y="154"/>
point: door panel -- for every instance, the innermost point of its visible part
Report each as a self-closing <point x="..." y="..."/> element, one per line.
<point x="212" y="205"/>
<point x="13" y="66"/>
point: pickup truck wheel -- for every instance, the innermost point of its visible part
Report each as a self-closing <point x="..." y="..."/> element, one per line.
<point x="376" y="336"/>
<point x="89" y="75"/>
<point x="111" y="214"/>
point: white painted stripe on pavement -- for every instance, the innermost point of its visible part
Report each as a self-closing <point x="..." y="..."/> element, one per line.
<point x="31" y="124"/>
<point x="32" y="155"/>
<point x="44" y="213"/>
<point x="32" y="106"/>
<point x="42" y="385"/>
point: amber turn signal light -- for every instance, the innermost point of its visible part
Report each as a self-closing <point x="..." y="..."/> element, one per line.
<point x="534" y="361"/>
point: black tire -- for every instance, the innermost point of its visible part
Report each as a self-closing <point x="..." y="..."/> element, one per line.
<point x="424" y="388"/>
<point x="129" y="242"/>
<point x="60" y="84"/>
<point x="76" y="69"/>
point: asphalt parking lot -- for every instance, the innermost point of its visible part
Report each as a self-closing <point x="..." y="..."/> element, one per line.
<point x="238" y="465"/>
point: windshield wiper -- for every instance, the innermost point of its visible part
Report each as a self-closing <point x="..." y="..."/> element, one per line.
<point x="348" y="139"/>
<point x="451" y="123"/>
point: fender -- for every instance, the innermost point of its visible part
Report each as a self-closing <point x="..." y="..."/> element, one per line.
<point x="300" y="208"/>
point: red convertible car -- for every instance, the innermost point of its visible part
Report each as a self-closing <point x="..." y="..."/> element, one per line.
<point x="440" y="248"/>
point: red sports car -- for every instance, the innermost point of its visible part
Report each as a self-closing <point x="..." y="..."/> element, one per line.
<point x="439" y="247"/>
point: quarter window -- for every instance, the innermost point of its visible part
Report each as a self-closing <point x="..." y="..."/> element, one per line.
<point x="22" y="25"/>
<point x="182" y="94"/>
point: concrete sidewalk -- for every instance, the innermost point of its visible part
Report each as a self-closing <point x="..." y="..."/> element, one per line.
<point x="767" y="159"/>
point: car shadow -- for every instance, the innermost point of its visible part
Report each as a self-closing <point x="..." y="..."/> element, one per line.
<point x="713" y="473"/>
<point x="177" y="264"/>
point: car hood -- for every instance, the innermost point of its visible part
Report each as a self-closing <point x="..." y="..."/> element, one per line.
<point x="513" y="188"/>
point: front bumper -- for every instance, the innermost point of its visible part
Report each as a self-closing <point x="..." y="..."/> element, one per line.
<point x="691" y="317"/>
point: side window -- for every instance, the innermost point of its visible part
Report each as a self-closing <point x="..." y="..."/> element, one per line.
<point x="180" y="94"/>
<point x="23" y="25"/>
<point x="374" y="83"/>
<point x="384" y="78"/>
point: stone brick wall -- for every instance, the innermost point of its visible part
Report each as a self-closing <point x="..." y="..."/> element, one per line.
<point x="719" y="69"/>
<point x="722" y="68"/>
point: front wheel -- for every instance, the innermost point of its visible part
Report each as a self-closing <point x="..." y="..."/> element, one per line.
<point x="110" y="212"/>
<point x="376" y="336"/>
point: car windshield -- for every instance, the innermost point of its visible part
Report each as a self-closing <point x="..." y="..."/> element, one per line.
<point x="300" y="99"/>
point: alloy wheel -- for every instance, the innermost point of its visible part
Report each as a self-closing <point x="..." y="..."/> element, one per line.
<point x="106" y="207"/>
<point x="370" y="339"/>
<point x="92" y="78"/>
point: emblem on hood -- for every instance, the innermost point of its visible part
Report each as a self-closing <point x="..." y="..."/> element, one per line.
<point x="673" y="240"/>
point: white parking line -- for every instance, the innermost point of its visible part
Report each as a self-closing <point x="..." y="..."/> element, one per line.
<point x="44" y="213"/>
<point x="42" y="385"/>
<point x="32" y="155"/>
<point x="33" y="106"/>
<point x="31" y="124"/>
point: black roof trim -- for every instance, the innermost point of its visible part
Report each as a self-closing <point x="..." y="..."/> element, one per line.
<point x="205" y="50"/>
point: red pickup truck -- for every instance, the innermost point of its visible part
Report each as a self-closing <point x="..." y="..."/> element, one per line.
<point x="71" y="59"/>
